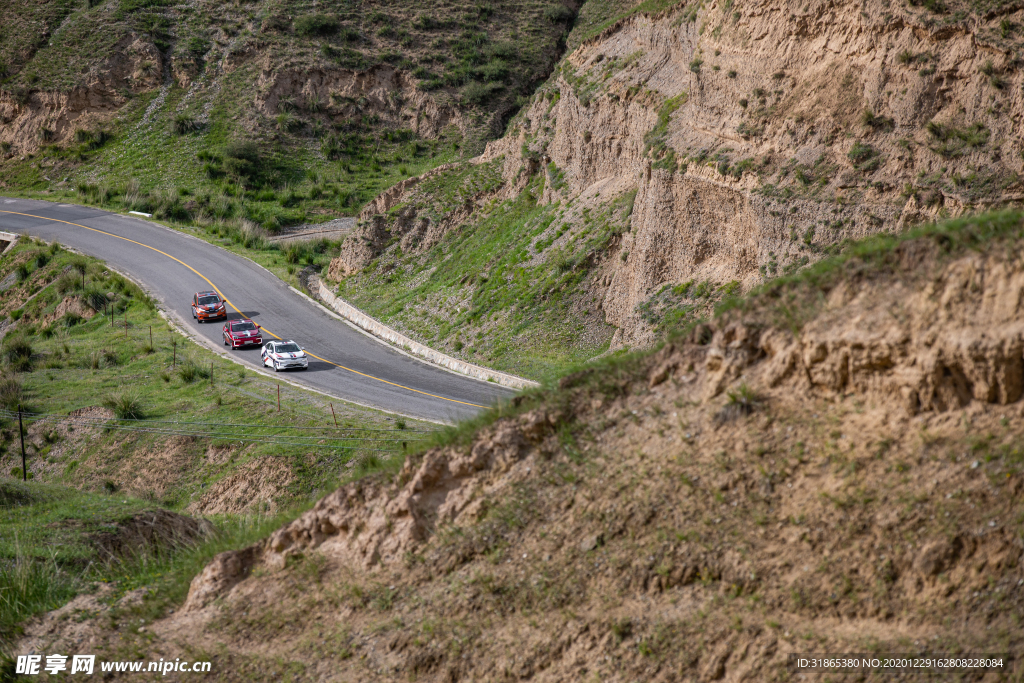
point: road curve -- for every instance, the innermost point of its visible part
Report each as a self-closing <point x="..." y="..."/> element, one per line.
<point x="173" y="265"/>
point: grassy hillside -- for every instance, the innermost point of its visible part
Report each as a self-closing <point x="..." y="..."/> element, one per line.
<point x="63" y="355"/>
<point x="128" y="426"/>
<point x="281" y="112"/>
<point x="508" y="287"/>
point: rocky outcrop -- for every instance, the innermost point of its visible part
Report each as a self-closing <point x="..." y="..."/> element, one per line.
<point x="369" y="523"/>
<point x="348" y="95"/>
<point x="956" y="339"/>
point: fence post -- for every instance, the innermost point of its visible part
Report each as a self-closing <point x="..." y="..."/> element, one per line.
<point x="174" y="352"/>
<point x="151" y="338"/>
<point x="279" y="397"/>
<point x="335" y="416"/>
<point x="21" y="435"/>
<point x="211" y="373"/>
<point x="125" y="322"/>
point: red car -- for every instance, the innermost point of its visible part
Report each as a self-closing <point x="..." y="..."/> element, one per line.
<point x="208" y="306"/>
<point x="244" y="332"/>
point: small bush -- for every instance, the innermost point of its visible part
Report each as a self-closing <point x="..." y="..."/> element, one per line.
<point x="67" y="283"/>
<point x="477" y="93"/>
<point x="189" y="372"/>
<point x="127" y="405"/>
<point x="695" y="64"/>
<point x="558" y="14"/>
<point x="860" y="152"/>
<point x="10" y="392"/>
<point x="185" y="124"/>
<point x="18" y="354"/>
<point x="868" y="118"/>
<point x="310" y="25"/>
<point x="739" y="403"/>
<point x="29" y="586"/>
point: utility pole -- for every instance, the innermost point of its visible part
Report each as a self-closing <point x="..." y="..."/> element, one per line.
<point x="21" y="435"/>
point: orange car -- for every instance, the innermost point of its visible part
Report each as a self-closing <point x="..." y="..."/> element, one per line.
<point x="208" y="306"/>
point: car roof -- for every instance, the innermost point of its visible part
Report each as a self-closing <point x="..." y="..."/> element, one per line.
<point x="243" y="320"/>
<point x="206" y="293"/>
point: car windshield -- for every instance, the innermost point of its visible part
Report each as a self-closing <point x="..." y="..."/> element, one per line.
<point x="243" y="327"/>
<point x="207" y="300"/>
<point x="287" y="348"/>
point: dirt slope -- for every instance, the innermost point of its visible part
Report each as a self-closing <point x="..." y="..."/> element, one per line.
<point x="836" y="467"/>
<point x="755" y="136"/>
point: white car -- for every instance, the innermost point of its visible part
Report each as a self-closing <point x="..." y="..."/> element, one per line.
<point x="284" y="355"/>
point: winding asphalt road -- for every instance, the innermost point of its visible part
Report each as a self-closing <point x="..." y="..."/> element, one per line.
<point x="173" y="266"/>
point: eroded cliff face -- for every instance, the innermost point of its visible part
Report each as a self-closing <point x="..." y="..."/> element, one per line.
<point x="757" y="134"/>
<point x="33" y="118"/>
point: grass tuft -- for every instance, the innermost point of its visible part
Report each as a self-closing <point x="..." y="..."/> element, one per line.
<point x="126" y="404"/>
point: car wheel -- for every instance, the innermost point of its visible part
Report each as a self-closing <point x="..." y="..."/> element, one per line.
<point x="225" y="341"/>
<point x="276" y="369"/>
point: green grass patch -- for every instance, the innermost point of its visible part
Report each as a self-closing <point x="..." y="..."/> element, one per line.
<point x="516" y="262"/>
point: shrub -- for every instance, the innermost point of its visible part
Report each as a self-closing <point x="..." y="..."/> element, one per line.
<point x="316" y="25"/>
<point x="252" y="236"/>
<point x="189" y="372"/>
<point x="243" y="159"/>
<point x="95" y="299"/>
<point x="185" y="124"/>
<point x="10" y="392"/>
<point x="477" y="93"/>
<point x="741" y="402"/>
<point x="558" y="14"/>
<point x="18" y="353"/>
<point x="953" y="141"/>
<point x="860" y="152"/>
<point x="197" y="46"/>
<point x="868" y="118"/>
<point x="67" y="283"/>
<point x="127" y="405"/>
<point x="695" y="64"/>
<point x="287" y="122"/>
<point x="30" y="586"/>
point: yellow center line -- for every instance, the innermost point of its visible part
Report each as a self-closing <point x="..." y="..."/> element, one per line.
<point x="209" y="282"/>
